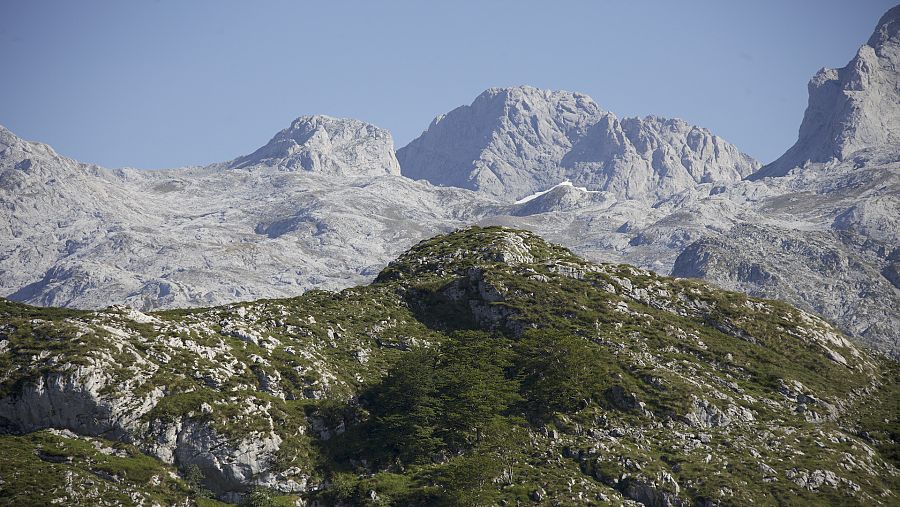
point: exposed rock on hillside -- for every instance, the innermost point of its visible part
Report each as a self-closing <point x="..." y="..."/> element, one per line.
<point x="83" y="236"/>
<point x="575" y="382"/>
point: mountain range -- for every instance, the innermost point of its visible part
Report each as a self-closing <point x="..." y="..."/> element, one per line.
<point x="328" y="202"/>
<point x="533" y="303"/>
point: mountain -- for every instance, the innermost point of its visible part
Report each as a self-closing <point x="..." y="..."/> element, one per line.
<point x="321" y="144"/>
<point x="512" y="142"/>
<point x="321" y="206"/>
<point x="825" y="228"/>
<point x="853" y="108"/>
<point x="84" y="236"/>
<point x="484" y="366"/>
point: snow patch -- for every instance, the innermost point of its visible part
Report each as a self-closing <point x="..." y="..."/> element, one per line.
<point x="566" y="183"/>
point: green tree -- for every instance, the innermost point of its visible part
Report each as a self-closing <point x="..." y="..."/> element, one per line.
<point x="473" y="385"/>
<point x="405" y="408"/>
<point x="472" y="478"/>
<point x="557" y="371"/>
<point x="194" y="478"/>
<point x="260" y="497"/>
<point x="442" y="400"/>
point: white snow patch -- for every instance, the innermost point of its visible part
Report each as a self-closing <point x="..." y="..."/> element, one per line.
<point x="566" y="183"/>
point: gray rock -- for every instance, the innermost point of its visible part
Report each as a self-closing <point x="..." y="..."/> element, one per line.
<point x="321" y="144"/>
<point x="512" y="142"/>
<point x="852" y="108"/>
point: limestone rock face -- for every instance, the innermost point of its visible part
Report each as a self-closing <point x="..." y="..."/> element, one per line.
<point x="326" y="145"/>
<point x="512" y="142"/>
<point x="852" y="108"/>
<point x="77" y="235"/>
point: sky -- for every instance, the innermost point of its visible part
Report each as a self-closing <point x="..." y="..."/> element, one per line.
<point x="170" y="83"/>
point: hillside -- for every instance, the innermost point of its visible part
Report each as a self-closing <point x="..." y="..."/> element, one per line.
<point x="481" y="367"/>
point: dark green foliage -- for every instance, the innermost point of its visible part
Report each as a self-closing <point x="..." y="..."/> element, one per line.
<point x="559" y="372"/>
<point x="406" y="408"/>
<point x="260" y="497"/>
<point x="474" y="386"/>
<point x="441" y="400"/>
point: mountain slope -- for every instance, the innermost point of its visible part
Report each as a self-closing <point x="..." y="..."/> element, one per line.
<point x="512" y="142"/>
<point x="481" y="366"/>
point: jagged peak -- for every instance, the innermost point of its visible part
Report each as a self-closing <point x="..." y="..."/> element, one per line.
<point x="887" y="29"/>
<point x="520" y="93"/>
<point x="854" y="108"/>
<point x="7" y="138"/>
<point x="515" y="141"/>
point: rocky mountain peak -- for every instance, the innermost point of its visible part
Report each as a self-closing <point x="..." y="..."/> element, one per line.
<point x="492" y="144"/>
<point x="526" y="100"/>
<point x="885" y="35"/>
<point x="513" y="142"/>
<point x="852" y="108"/>
<point x="7" y="138"/>
<point x="322" y="144"/>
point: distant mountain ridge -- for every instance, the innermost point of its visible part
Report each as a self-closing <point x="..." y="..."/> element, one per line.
<point x="512" y="142"/>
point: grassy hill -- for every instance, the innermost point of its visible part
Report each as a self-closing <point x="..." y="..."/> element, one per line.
<point x="483" y="367"/>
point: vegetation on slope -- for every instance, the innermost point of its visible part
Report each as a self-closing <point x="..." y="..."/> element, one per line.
<point x="482" y="367"/>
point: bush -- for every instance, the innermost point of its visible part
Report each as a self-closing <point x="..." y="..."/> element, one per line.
<point x="194" y="478"/>
<point x="260" y="497"/>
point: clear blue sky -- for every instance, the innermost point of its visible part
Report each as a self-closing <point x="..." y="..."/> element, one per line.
<point x="170" y="83"/>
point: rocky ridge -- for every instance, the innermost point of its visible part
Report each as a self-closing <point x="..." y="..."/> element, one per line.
<point x="853" y="108"/>
<point x="512" y="142"/>
<point x="326" y="145"/>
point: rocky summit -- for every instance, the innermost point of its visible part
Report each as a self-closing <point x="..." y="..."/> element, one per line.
<point x="482" y="367"/>
<point x="512" y="142"/>
<point x="321" y="144"/>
